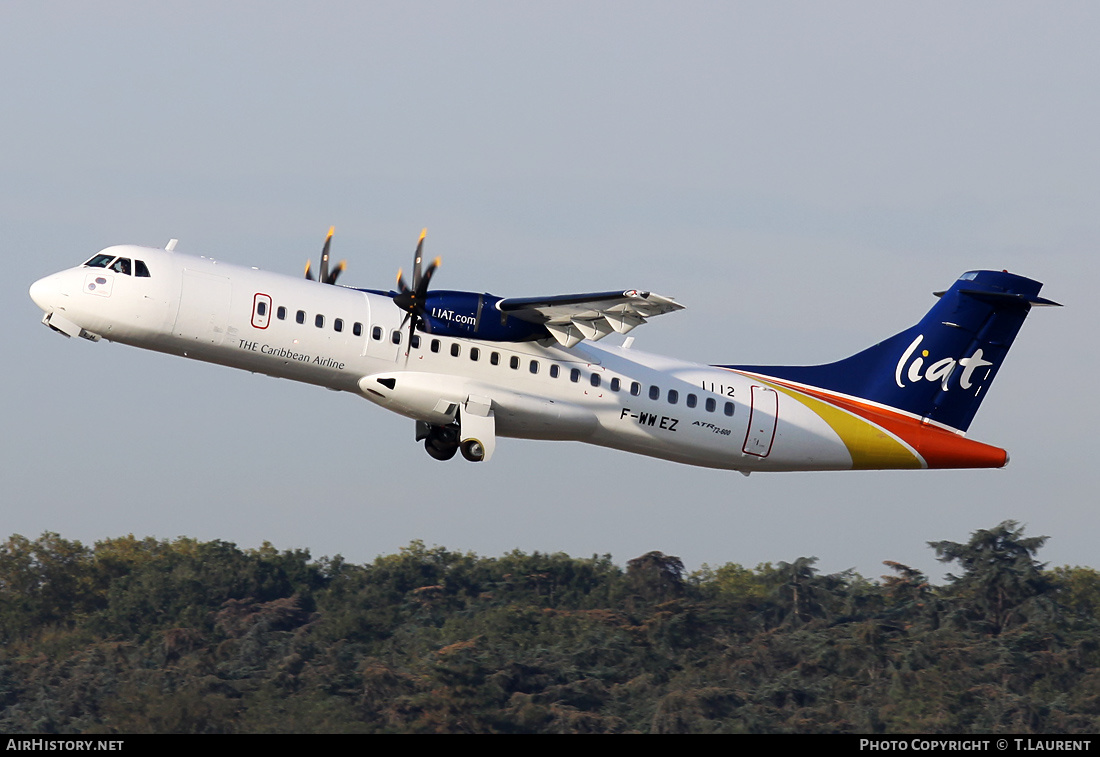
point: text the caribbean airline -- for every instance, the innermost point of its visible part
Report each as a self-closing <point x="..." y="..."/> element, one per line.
<point x="471" y="367"/>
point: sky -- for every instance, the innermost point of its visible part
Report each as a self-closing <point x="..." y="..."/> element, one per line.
<point x="801" y="176"/>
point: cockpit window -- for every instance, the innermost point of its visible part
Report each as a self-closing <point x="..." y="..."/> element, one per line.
<point x="140" y="269"/>
<point x="122" y="265"/>
<point x="100" y="261"/>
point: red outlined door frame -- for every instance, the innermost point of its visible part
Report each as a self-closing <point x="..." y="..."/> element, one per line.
<point x="261" y="321"/>
<point x="763" y="414"/>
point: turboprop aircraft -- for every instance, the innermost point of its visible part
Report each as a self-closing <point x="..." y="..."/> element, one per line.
<point x="470" y="367"/>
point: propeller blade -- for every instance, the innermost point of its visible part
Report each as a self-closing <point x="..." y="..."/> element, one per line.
<point x="323" y="275"/>
<point x="411" y="298"/>
<point x="309" y="274"/>
<point x="416" y="259"/>
<point x="423" y="290"/>
<point x="410" y="318"/>
<point x="406" y="301"/>
<point x="337" y="271"/>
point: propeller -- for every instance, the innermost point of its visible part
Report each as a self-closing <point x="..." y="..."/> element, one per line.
<point x="325" y="276"/>
<point x="411" y="299"/>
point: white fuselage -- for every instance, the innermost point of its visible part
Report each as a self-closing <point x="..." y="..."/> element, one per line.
<point x="355" y="341"/>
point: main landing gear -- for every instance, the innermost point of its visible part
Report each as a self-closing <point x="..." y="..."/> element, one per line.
<point x="473" y="431"/>
<point x="442" y="442"/>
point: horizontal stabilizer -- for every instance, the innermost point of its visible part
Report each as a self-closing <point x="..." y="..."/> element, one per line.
<point x="1006" y="298"/>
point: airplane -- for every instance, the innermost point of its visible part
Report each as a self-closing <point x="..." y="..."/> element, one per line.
<point x="472" y="367"/>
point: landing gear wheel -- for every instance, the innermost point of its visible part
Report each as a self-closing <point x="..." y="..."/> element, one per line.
<point x="441" y="442"/>
<point x="473" y="450"/>
<point x="438" y="451"/>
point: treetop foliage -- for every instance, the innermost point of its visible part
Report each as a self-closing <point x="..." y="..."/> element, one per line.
<point x="135" y="635"/>
<point x="1001" y="580"/>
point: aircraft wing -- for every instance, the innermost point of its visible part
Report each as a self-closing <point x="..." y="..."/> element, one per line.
<point x="571" y="318"/>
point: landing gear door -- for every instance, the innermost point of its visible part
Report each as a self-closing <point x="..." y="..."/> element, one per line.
<point x="478" y="428"/>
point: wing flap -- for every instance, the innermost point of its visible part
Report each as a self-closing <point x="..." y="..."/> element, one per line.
<point x="570" y="318"/>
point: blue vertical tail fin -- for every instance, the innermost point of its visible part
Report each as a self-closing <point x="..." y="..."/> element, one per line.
<point x="941" y="368"/>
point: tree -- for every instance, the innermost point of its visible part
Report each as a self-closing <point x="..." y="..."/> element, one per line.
<point x="1078" y="590"/>
<point x="45" y="581"/>
<point x="656" y="576"/>
<point x="1001" y="578"/>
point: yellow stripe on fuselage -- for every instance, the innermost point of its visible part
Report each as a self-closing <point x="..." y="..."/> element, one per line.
<point x="871" y="448"/>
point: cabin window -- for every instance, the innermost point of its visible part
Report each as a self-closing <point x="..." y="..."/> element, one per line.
<point x="395" y="336"/>
<point x="141" y="270"/>
<point x="711" y="404"/>
<point x="692" y="400"/>
<point x="319" y="321"/>
<point x="456" y="349"/>
<point x="338" y="324"/>
<point x="615" y="384"/>
<point x="494" y="358"/>
<point x="595" y="380"/>
<point x="635" y="388"/>
<point x="575" y="375"/>
<point x="415" y="341"/>
<point x="357" y="329"/>
<point x="534" y="366"/>
<point x="435" y="345"/>
<point x="673" y="396"/>
<point x="655" y="392"/>
<point x="300" y="316"/>
<point x="261" y="308"/>
<point x="475" y="353"/>
<point x="376" y="333"/>
<point x="513" y="363"/>
<point x="554" y="370"/>
<point x="280" y="313"/>
<point x="729" y="408"/>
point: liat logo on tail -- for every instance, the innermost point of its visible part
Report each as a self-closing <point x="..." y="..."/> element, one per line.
<point x="941" y="370"/>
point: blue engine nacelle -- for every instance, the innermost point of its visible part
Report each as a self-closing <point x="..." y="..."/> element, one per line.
<point x="472" y="315"/>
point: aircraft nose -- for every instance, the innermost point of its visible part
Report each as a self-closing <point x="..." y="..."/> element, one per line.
<point x="45" y="292"/>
